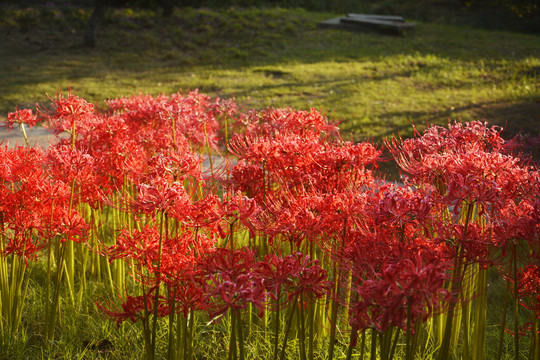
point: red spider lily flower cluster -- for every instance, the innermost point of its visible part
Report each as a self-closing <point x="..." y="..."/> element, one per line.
<point x="388" y="252"/>
<point x="292" y="275"/>
<point x="398" y="271"/>
<point x="23" y="116"/>
<point x="529" y="286"/>
<point x="407" y="284"/>
<point x="483" y="201"/>
<point x="33" y="207"/>
<point x="294" y="150"/>
<point x="230" y="282"/>
<point x="233" y="279"/>
<point x="135" y="308"/>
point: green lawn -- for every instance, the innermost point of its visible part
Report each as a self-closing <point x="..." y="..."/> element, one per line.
<point x="376" y="85"/>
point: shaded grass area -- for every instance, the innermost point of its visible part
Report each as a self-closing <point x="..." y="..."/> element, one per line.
<point x="374" y="84"/>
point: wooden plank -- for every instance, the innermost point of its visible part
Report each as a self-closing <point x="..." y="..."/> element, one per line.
<point x="337" y="24"/>
<point x="378" y="17"/>
<point x="381" y="25"/>
<point x="370" y="25"/>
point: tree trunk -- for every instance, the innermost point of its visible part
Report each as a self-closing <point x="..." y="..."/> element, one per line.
<point x="89" y="39"/>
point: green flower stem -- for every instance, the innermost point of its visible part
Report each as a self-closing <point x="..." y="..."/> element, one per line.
<point x="302" y="327"/>
<point x="232" y="341"/>
<point x="147" y="338"/>
<point x="386" y="343"/>
<point x="395" y="342"/>
<point x="13" y="289"/>
<point x="350" y="348"/>
<point x="448" y="327"/>
<point x="172" y="343"/>
<point x="503" y="320"/>
<point x="373" y="344"/>
<point x="185" y="336"/>
<point x="311" y="324"/>
<point x="288" y="327"/>
<point x="240" y="335"/>
<point x="409" y="355"/>
<point x="480" y="308"/>
<point x="158" y="277"/>
<point x="190" y="334"/>
<point x="534" y="352"/>
<point x="180" y="326"/>
<point x="451" y="329"/>
<point x="363" y="345"/>
<point x="465" y="295"/>
<point x="24" y="134"/>
<point x="276" y="327"/>
<point x="69" y="258"/>
<point x="55" y="305"/>
<point x="516" y="302"/>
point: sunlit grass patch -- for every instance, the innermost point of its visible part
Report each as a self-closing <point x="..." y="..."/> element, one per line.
<point x="375" y="84"/>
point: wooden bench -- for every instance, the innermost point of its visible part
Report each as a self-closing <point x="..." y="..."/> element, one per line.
<point x="393" y="25"/>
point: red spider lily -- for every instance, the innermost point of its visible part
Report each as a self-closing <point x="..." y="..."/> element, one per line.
<point x="402" y="205"/>
<point x="293" y="275"/>
<point x="112" y="145"/>
<point x="189" y="295"/>
<point x="160" y="196"/>
<point x="34" y="207"/>
<point x="140" y="246"/>
<point x="34" y="223"/>
<point x="344" y="165"/>
<point x="230" y="282"/>
<point x="519" y="219"/>
<point x="173" y="165"/>
<point x="308" y="278"/>
<point x="193" y="117"/>
<point x="398" y="271"/>
<point x="294" y="219"/>
<point x="23" y="116"/>
<point x="529" y="288"/>
<point x="437" y="140"/>
<point x="282" y="152"/>
<point x="515" y="221"/>
<point x="66" y="112"/>
<point x="318" y="217"/>
<point x="20" y="164"/>
<point x="276" y="272"/>
<point x="77" y="168"/>
<point x="466" y="162"/>
<point x="457" y="138"/>
<point x="205" y="212"/>
<point x="292" y="172"/>
<point x="179" y="255"/>
<point x="135" y="308"/>
<point x="474" y="240"/>
<point x="72" y="226"/>
<point x="484" y="178"/>
<point x="274" y="121"/>
<point x="249" y="179"/>
<point x="295" y="162"/>
<point x="407" y="285"/>
<point x="23" y="245"/>
<point x="240" y="208"/>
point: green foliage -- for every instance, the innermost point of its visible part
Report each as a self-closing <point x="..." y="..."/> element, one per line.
<point x="520" y="7"/>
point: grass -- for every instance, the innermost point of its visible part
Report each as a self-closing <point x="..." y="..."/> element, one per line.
<point x="376" y="85"/>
